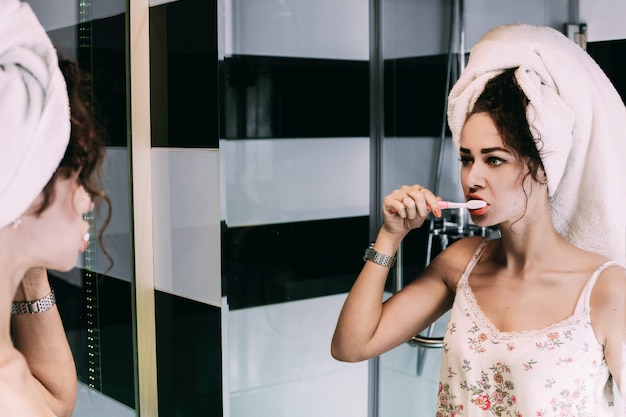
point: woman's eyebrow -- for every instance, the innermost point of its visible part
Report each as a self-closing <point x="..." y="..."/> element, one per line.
<point x="494" y="149"/>
<point x="485" y="150"/>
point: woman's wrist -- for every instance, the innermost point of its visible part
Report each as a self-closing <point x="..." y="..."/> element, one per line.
<point x="387" y="243"/>
<point x="37" y="306"/>
<point x="34" y="285"/>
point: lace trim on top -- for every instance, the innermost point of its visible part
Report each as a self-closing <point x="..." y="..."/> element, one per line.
<point x="486" y="324"/>
<point x="581" y="316"/>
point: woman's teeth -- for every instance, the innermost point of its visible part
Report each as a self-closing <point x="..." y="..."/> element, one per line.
<point x="85" y="241"/>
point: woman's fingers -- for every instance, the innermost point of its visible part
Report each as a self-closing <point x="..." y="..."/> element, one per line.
<point x="425" y="201"/>
<point x="412" y="202"/>
<point x="407" y="207"/>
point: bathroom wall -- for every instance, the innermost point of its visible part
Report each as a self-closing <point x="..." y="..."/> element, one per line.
<point x="416" y="38"/>
<point x="186" y="206"/>
<point x="604" y="19"/>
<point x="295" y="155"/>
<point x="261" y="208"/>
<point x="295" y="175"/>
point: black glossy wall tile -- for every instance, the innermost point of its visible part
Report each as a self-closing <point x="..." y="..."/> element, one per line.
<point x="189" y="357"/>
<point x="291" y="261"/>
<point x="295" y="261"/>
<point x="285" y="97"/>
<point x="183" y="74"/>
<point x="611" y="56"/>
<point x="415" y="94"/>
<point x="102" y="52"/>
<point x="108" y="56"/>
<point x="98" y="319"/>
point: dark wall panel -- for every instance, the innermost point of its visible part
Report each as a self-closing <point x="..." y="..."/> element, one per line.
<point x="183" y="74"/>
<point x="189" y="356"/>
<point x="97" y="316"/>
<point x="415" y="94"/>
<point x="284" y="97"/>
<point x="611" y="56"/>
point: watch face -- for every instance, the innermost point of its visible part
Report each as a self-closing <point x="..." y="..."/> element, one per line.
<point x="373" y="255"/>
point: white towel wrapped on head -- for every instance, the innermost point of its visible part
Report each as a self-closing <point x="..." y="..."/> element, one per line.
<point x="34" y="110"/>
<point x="579" y="118"/>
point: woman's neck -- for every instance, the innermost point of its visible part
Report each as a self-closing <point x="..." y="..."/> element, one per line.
<point x="11" y="273"/>
<point x="6" y="297"/>
<point x="530" y="241"/>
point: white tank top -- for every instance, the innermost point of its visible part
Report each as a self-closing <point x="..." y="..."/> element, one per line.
<point x="557" y="371"/>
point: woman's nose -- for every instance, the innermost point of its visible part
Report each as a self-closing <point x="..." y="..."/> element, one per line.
<point x="474" y="176"/>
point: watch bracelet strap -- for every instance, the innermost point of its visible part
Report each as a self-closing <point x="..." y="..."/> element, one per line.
<point x="34" y="307"/>
<point x="379" y="258"/>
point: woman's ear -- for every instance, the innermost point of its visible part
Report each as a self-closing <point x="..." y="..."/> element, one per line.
<point x="82" y="200"/>
<point x="543" y="178"/>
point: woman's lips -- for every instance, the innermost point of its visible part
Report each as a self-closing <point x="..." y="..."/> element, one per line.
<point x="480" y="211"/>
<point x="85" y="242"/>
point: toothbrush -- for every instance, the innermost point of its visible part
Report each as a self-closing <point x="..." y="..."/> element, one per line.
<point x="471" y="204"/>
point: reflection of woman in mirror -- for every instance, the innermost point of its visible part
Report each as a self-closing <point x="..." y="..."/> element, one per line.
<point x="537" y="315"/>
<point x="46" y="188"/>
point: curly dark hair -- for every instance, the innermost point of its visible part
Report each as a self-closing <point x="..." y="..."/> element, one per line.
<point x="506" y="103"/>
<point x="85" y="152"/>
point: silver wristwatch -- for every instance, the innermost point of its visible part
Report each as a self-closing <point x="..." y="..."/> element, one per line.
<point x="34" y="307"/>
<point x="373" y="255"/>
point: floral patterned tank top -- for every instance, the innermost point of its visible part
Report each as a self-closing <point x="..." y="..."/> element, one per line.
<point x="559" y="370"/>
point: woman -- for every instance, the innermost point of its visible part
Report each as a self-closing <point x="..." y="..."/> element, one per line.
<point x="537" y="322"/>
<point x="45" y="190"/>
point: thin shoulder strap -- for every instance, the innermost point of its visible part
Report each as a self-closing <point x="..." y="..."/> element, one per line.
<point x="585" y="295"/>
<point x="475" y="258"/>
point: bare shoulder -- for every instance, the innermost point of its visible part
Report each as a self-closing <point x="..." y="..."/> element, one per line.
<point x="610" y="287"/>
<point x="608" y="307"/>
<point x="19" y="394"/>
<point x="452" y="262"/>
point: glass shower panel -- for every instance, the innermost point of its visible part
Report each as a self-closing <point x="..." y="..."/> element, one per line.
<point x="424" y="45"/>
<point x="94" y="298"/>
<point x="416" y="64"/>
<point x="294" y="155"/>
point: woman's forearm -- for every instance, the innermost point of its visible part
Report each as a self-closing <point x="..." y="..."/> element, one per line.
<point x="41" y="338"/>
<point x="363" y="308"/>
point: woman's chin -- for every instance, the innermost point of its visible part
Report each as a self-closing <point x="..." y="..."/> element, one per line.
<point x="65" y="266"/>
<point x="481" y="221"/>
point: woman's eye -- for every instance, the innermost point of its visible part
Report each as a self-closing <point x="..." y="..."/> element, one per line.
<point x="465" y="160"/>
<point x="494" y="161"/>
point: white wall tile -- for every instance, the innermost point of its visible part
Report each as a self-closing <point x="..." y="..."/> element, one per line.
<point x="605" y="19"/>
<point x="282" y="342"/>
<point x="286" y="180"/>
<point x="63" y="13"/>
<point x="279" y="362"/>
<point x="298" y="28"/>
<point x="343" y="394"/>
<point x="92" y="403"/>
<point x="116" y="236"/>
<point x="408" y="161"/>
<point x="186" y="204"/>
<point x="282" y="352"/>
<point x="415" y="28"/>
<point x="482" y="15"/>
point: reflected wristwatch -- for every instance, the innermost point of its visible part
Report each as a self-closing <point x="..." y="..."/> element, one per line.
<point x="34" y="307"/>
<point x="373" y="255"/>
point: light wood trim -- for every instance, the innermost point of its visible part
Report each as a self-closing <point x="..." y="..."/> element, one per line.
<point x="140" y="148"/>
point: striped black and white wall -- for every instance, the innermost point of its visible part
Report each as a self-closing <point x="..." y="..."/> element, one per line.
<point x="260" y="193"/>
<point x="295" y="171"/>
